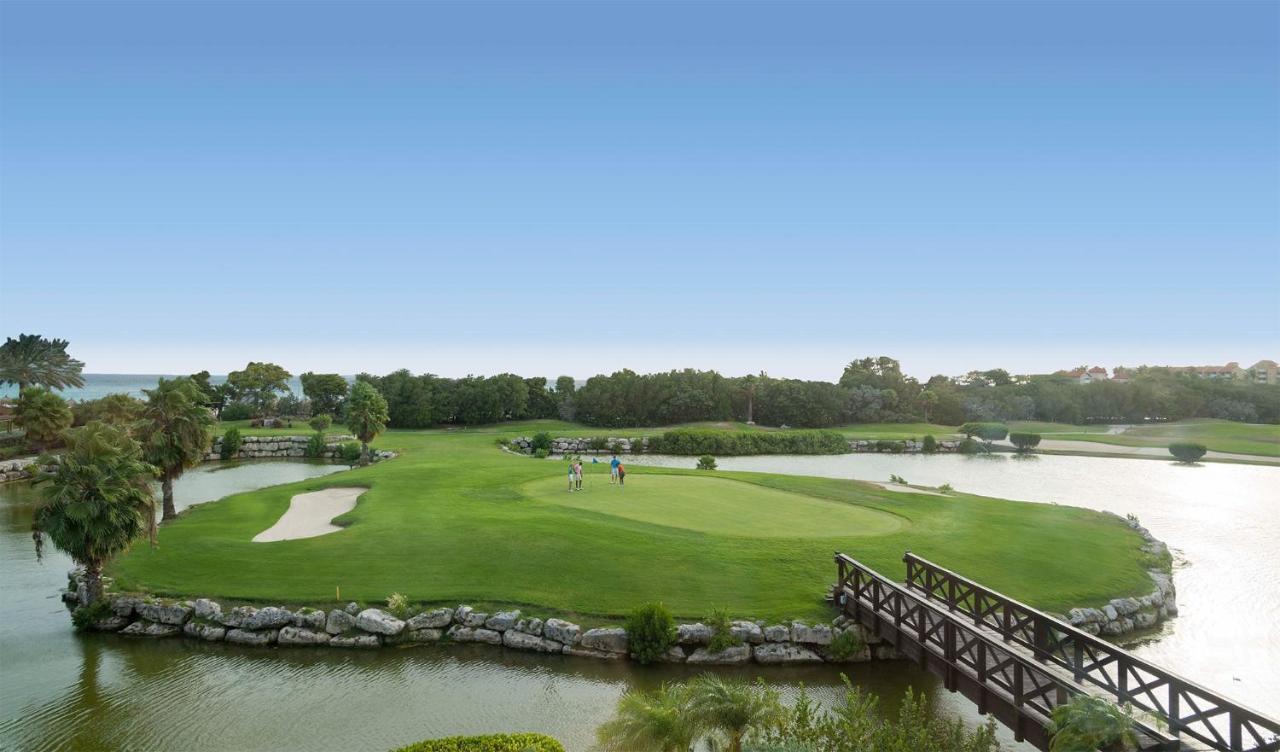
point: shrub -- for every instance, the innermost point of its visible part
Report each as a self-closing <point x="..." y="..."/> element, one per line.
<point x="321" y="422"/>
<point x="969" y="446"/>
<point x="1025" y="442"/>
<point x="946" y="488"/>
<point x="350" y="451"/>
<point x="84" y="617"/>
<point x="898" y="479"/>
<point x="231" y="443"/>
<point x="488" y="743"/>
<point x="1089" y="723"/>
<point x="316" y="446"/>
<point x="1187" y="451"/>
<point x="615" y="447"/>
<point x="846" y="644"/>
<point x="598" y="443"/>
<point x="651" y="631"/>
<point x="541" y="453"/>
<point x="237" y="411"/>
<point x="684" y="441"/>
<point x="722" y="636"/>
<point x="929" y="445"/>
<point x="541" y="440"/>
<point x="398" y="605"/>
<point x="706" y="462"/>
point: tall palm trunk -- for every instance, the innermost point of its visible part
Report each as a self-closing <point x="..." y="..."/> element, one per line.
<point x="750" y="400"/>
<point x="166" y="488"/>
<point x="92" y="582"/>
<point x="364" y="452"/>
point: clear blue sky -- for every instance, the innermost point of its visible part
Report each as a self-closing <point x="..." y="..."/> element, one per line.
<point x="577" y="187"/>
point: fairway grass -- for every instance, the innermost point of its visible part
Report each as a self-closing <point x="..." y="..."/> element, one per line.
<point x="1217" y="435"/>
<point x="719" y="507"/>
<point x="456" y="519"/>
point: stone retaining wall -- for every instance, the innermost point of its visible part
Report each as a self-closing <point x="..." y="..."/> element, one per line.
<point x="1124" y="615"/>
<point x="263" y="447"/>
<point x="18" y="468"/>
<point x="637" y="445"/>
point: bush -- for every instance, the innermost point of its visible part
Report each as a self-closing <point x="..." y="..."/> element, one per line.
<point x="598" y="443"/>
<point x="684" y="441"/>
<point x="398" y="605"/>
<point x="488" y="743"/>
<point x="651" y="631"/>
<point x="1089" y="723"/>
<point x="1025" y="442"/>
<point x="1187" y="451"/>
<point x="969" y="446"/>
<point x="897" y="479"/>
<point x="846" y="644"/>
<point x="350" y="451"/>
<point x="541" y="440"/>
<point x="541" y="453"/>
<point x="929" y="445"/>
<point x="83" y="618"/>
<point x="237" y="411"/>
<point x="231" y="443"/>
<point x="722" y="636"/>
<point x="321" y="422"/>
<point x="316" y="446"/>
<point x="706" y="462"/>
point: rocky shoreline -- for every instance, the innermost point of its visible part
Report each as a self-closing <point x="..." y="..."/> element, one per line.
<point x="640" y="445"/>
<point x="1120" y="616"/>
<point x="281" y="447"/>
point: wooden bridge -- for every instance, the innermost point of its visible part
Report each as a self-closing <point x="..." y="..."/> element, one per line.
<point x="1018" y="663"/>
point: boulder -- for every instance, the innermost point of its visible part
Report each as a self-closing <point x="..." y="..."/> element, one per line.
<point x="693" y="634"/>
<point x="238" y="616"/>
<point x="589" y="653"/>
<point x="777" y="633"/>
<point x="440" y="617"/>
<point x="748" y="632"/>
<point x="1126" y="606"/>
<point x="204" y="631"/>
<point x="1145" y="619"/>
<point x="459" y="633"/>
<point x="784" y="653"/>
<point x="112" y="623"/>
<point x="203" y="608"/>
<point x="530" y="626"/>
<point x="475" y="619"/>
<point x="502" y="621"/>
<point x="356" y="641"/>
<point x="606" y="639"/>
<point x="352" y="608"/>
<point x="523" y="641"/>
<point x="1110" y="612"/>
<point x="151" y="629"/>
<point x="818" y="634"/>
<point x="422" y="635"/>
<point x="302" y="636"/>
<point x="125" y="606"/>
<point x="164" y="613"/>
<point x="249" y="637"/>
<point x="674" y="654"/>
<point x="730" y="655"/>
<point x="339" y="622"/>
<point x="271" y="617"/>
<point x="310" y="619"/>
<point x="461" y="613"/>
<point x="377" y="621"/>
<point x="561" y="631"/>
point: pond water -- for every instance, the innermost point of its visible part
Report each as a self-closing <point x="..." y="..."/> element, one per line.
<point x="1222" y="522"/>
<point x="62" y="691"/>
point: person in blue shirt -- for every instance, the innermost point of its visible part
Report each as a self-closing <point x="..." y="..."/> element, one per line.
<point x="613" y="469"/>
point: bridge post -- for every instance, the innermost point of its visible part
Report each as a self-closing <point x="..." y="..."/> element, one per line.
<point x="949" y="652"/>
<point x="1040" y="637"/>
<point x="1175" y="711"/>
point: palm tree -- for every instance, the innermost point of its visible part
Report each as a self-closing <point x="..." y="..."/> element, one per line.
<point x="32" y="360"/>
<point x="176" y="430"/>
<point x="366" y="414"/>
<point x="43" y="415"/>
<point x="657" y="721"/>
<point x="732" y="708"/>
<point x="95" y="504"/>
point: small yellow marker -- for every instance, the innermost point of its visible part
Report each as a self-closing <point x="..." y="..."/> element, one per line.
<point x="337" y="593"/>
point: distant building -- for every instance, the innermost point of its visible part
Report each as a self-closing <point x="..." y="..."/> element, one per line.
<point x="1230" y="372"/>
<point x="1264" y="372"/>
<point x="1084" y="375"/>
<point x="1121" y="375"/>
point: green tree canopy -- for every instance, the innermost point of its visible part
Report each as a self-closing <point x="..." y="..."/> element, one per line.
<point x="32" y="360"/>
<point x="43" y="415"/>
<point x="117" y="409"/>
<point x="97" y="502"/>
<point x="259" y="384"/>
<point x="327" y="391"/>
<point x="366" y="414"/>
<point x="1187" y="451"/>
<point x="176" y="430"/>
<point x="656" y="721"/>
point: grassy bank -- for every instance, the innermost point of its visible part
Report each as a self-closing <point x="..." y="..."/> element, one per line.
<point x="456" y="519"/>
<point x="1217" y="435"/>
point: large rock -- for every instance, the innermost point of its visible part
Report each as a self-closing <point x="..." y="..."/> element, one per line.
<point x="151" y="629"/>
<point x="588" y="653"/>
<point x="461" y="613"/>
<point x="422" y="635"/>
<point x="377" y="621"/>
<point x="459" y="633"/>
<point x="310" y="618"/>
<point x="748" y="632"/>
<point x="271" y="617"/>
<point x="1145" y="619"/>
<point x="356" y="641"/>
<point x="502" y="621"/>
<point x="730" y="655"/>
<point x="440" y="617"/>
<point x="164" y="613"/>
<point x="124" y="606"/>
<point x="781" y="652"/>
<point x="203" y="608"/>
<point x="523" y="641"/>
<point x="818" y="634"/>
<point x="1110" y="612"/>
<point x="475" y="619"/>
<point x="238" y="615"/>
<point x="301" y="636"/>
<point x="204" y="631"/>
<point x="1126" y="606"/>
<point x="112" y="623"/>
<point x="249" y="637"/>
<point x="339" y="622"/>
<point x="529" y="626"/>
<point x="564" y="632"/>
<point x="777" y="633"/>
<point x="693" y="634"/>
<point x="605" y="639"/>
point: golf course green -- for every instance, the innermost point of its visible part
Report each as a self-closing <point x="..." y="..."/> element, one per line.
<point x="455" y="518"/>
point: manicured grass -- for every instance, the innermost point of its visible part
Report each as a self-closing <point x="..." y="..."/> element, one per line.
<point x="1217" y="435"/>
<point x="894" y="431"/>
<point x="455" y="519"/>
<point x="1043" y="428"/>
<point x="300" y="428"/>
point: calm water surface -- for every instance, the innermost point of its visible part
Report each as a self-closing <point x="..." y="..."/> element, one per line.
<point x="1222" y="522"/>
<point x="61" y="691"/>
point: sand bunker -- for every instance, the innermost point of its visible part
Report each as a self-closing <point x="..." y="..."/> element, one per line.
<point x="311" y="514"/>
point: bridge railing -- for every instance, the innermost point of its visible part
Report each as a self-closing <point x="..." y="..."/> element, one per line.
<point x="1188" y="708"/>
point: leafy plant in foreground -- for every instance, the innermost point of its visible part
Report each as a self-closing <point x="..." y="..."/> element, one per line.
<point x="1088" y="723"/>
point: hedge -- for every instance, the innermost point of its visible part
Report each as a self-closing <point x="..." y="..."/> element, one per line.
<point x="487" y="743"/>
<point x="687" y="441"/>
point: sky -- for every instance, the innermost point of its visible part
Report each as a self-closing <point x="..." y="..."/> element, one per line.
<point x="547" y="188"/>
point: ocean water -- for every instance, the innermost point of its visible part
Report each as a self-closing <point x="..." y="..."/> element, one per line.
<point x="101" y="384"/>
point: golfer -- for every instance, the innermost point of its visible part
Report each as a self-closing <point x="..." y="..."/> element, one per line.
<point x="622" y="474"/>
<point x="614" y="464"/>
<point x="572" y="476"/>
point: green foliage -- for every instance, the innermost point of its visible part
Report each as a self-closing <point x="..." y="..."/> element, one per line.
<point x="684" y="441"/>
<point x="320" y="423"/>
<point x="32" y="360"/>
<point x="651" y="631"/>
<point x="722" y="636"/>
<point x="731" y="710"/>
<point x="946" y="488"/>
<point x="175" y="431"/>
<point x="929" y="445"/>
<point x="986" y="431"/>
<point x="316" y="446"/>
<point x="366" y="413"/>
<point x="398" y="605"/>
<point x="1024" y="442"/>
<point x="237" y="411"/>
<point x="350" y="452"/>
<point x="542" y="453"/>
<point x="541" y="440"/>
<point x="231" y="443"/>
<point x="971" y="446"/>
<point x="43" y="415"/>
<point x="1088" y="723"/>
<point x="258" y="385"/>
<point x="1187" y="451"/>
<point x="655" y="721"/>
<point x="897" y="479"/>
<point x="488" y="743"/>
<point x="84" y="617"/>
<point x="326" y="391"/>
<point x="706" y="462"/>
<point x="120" y="409"/>
<point x="846" y="644"/>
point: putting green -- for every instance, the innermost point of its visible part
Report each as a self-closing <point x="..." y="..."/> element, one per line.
<point x="717" y="506"/>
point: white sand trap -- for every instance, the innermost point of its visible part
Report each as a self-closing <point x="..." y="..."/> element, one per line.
<point x="311" y="514"/>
